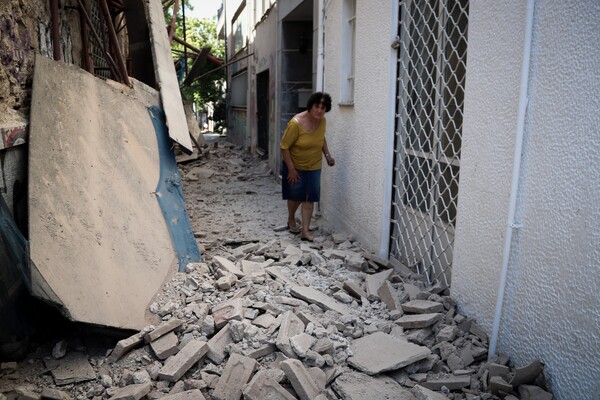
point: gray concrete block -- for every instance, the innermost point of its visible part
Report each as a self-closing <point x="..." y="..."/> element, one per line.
<point x="125" y="346"/>
<point x="380" y="352"/>
<point x="165" y="346"/>
<point x="422" y="307"/>
<point x="226" y="265"/>
<point x="264" y="387"/>
<point x="313" y="296"/>
<point x="415" y="321"/>
<point x="374" y="282"/>
<point x="194" y="394"/>
<point x="358" y="386"/>
<point x="237" y="373"/>
<point x="163" y="329"/>
<point x="218" y="343"/>
<point x="227" y="311"/>
<point x="387" y="294"/>
<point x="132" y="392"/>
<point x="301" y="381"/>
<point x="180" y="363"/>
<point x="290" y="326"/>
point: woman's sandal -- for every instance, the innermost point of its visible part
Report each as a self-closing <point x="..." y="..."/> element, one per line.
<point x="294" y="229"/>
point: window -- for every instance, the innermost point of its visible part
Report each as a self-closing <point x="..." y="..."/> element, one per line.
<point x="348" y="51"/>
<point x="239" y="90"/>
<point x="239" y="30"/>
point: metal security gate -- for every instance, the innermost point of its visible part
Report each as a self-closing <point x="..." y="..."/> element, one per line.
<point x="432" y="58"/>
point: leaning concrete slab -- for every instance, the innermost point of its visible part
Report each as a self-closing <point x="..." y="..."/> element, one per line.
<point x="98" y="240"/>
<point x="380" y="352"/>
<point x="166" y="76"/>
<point x="357" y="386"/>
<point x="194" y="394"/>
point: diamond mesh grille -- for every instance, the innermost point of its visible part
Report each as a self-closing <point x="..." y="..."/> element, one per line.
<point x="430" y="95"/>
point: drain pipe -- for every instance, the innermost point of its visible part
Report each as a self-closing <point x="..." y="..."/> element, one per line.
<point x="517" y="160"/>
<point x="320" y="46"/>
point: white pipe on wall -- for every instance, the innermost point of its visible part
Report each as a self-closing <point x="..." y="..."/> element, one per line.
<point x="320" y="45"/>
<point x="384" y="247"/>
<point x="517" y="160"/>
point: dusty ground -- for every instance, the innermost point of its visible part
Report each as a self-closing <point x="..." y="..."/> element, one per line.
<point x="357" y="344"/>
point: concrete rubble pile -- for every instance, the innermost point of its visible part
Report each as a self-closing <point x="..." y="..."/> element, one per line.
<point x="284" y="319"/>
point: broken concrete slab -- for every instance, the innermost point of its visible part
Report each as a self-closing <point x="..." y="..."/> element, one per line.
<point x="165" y="346"/>
<point x="96" y="232"/>
<point x="497" y="384"/>
<point x="124" y="346"/>
<point x="278" y="272"/>
<point x="228" y="266"/>
<point x="374" y="282"/>
<point x="422" y="393"/>
<point x="526" y="374"/>
<point x="180" y="363"/>
<point x="415" y="321"/>
<point x="163" y="329"/>
<point x="262" y="351"/>
<point x="265" y="320"/>
<point x="301" y="344"/>
<point x="422" y="307"/>
<point x="357" y="386"/>
<point x="217" y="345"/>
<point x="290" y="326"/>
<point x="313" y="296"/>
<point x="166" y="77"/>
<point x="54" y="394"/>
<point x="132" y="392"/>
<point x="530" y="392"/>
<point x="72" y="368"/>
<point x="194" y="394"/>
<point x="237" y="373"/>
<point x="264" y="387"/>
<point x="380" y="352"/>
<point x="301" y="381"/>
<point x="452" y="382"/>
<point x="228" y="311"/>
<point x="388" y="296"/>
<point x="354" y="290"/>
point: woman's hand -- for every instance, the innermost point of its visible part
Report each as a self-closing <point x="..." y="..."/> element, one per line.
<point x="330" y="160"/>
<point x="293" y="176"/>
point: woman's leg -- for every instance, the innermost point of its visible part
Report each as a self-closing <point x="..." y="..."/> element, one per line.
<point x="307" y="212"/>
<point x="292" y="206"/>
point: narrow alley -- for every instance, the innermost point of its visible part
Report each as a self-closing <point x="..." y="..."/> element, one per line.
<point x="266" y="316"/>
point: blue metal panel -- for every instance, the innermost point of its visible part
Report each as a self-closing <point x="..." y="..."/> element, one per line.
<point x="170" y="195"/>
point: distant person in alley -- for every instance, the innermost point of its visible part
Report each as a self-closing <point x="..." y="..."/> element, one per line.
<point x="302" y="147"/>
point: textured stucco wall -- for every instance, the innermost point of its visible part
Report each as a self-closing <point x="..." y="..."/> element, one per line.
<point x="352" y="196"/>
<point x="551" y="307"/>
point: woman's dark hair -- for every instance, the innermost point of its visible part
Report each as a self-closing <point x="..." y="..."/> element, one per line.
<point x="317" y="98"/>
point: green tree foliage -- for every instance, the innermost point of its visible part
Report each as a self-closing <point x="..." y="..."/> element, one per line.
<point x="209" y="90"/>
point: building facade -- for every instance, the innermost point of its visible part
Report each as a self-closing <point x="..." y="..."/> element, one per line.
<point x="465" y="136"/>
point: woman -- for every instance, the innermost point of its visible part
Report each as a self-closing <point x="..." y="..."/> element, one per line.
<point x="302" y="147"/>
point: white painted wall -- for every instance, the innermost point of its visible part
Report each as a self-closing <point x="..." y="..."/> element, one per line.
<point x="551" y="305"/>
<point x="352" y="192"/>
